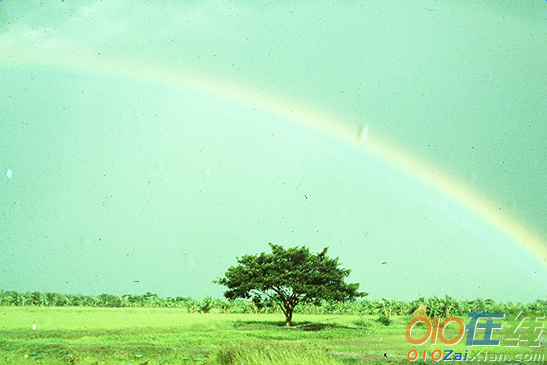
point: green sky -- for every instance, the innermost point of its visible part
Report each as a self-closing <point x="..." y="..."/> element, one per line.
<point x="119" y="178"/>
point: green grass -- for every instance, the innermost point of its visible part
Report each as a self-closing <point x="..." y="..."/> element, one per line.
<point x="76" y="335"/>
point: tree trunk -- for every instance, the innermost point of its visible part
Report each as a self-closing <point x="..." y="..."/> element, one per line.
<point x="288" y="317"/>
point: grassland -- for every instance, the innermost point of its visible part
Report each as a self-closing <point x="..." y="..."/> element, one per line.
<point x="83" y="335"/>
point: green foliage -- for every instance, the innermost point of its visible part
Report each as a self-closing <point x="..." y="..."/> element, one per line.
<point x="205" y="305"/>
<point x="288" y="277"/>
<point x="436" y="306"/>
<point x="383" y="319"/>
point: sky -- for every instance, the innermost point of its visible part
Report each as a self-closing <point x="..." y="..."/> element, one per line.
<point x="146" y="146"/>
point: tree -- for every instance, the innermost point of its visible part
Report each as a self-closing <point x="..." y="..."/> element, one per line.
<point x="288" y="277"/>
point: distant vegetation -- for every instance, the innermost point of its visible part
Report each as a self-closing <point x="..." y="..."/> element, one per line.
<point x="436" y="306"/>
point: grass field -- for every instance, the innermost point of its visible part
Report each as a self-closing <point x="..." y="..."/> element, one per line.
<point x="79" y="335"/>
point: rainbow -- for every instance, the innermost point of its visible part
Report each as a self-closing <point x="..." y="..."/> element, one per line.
<point x="307" y="116"/>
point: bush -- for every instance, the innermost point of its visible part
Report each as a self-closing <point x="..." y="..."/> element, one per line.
<point x="383" y="319"/>
<point x="205" y="305"/>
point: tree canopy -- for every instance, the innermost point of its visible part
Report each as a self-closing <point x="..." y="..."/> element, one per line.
<point x="289" y="277"/>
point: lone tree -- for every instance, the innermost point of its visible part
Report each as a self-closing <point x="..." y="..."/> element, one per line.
<point x="288" y="277"/>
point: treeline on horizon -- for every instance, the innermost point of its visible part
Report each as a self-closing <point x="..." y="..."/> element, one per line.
<point x="435" y="306"/>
